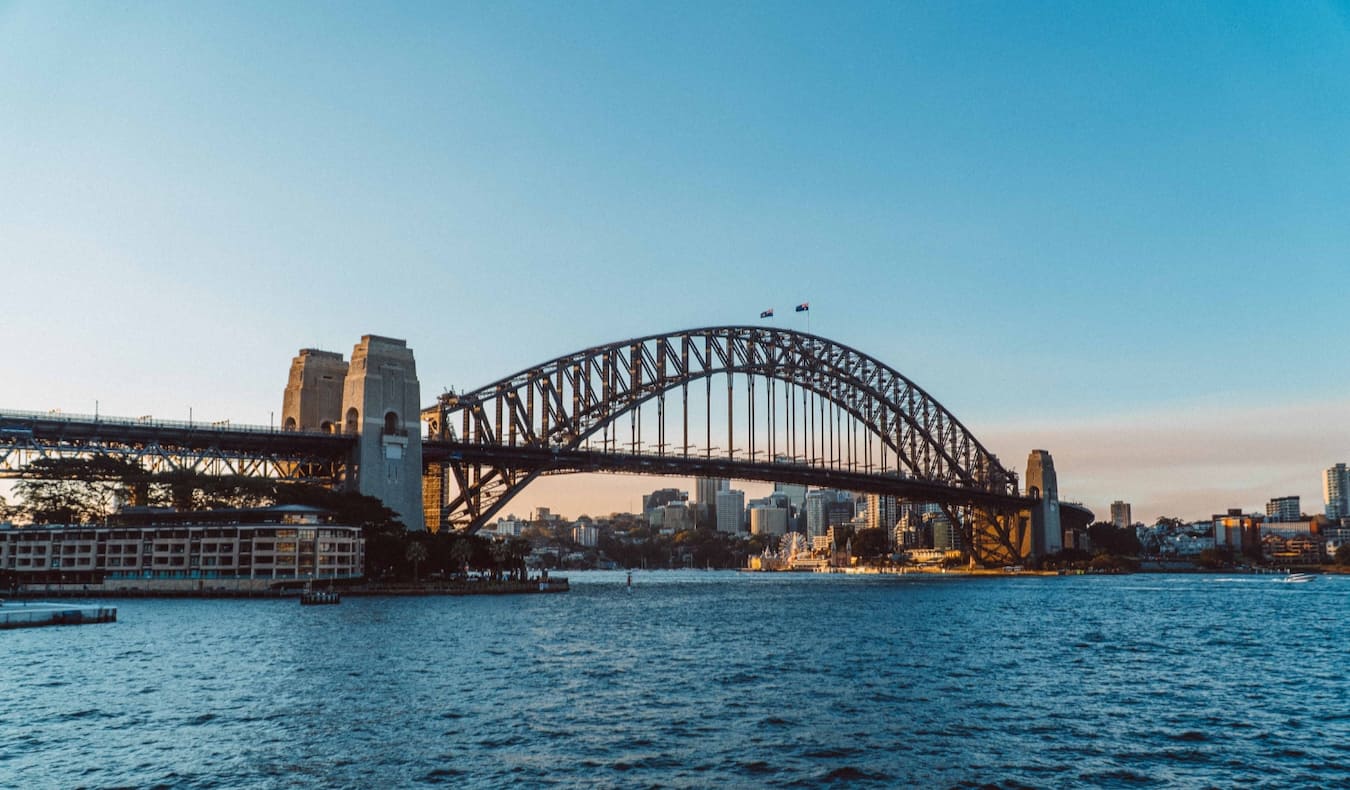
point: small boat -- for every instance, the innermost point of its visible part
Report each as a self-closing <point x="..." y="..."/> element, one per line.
<point x="1299" y="578"/>
<point x="319" y="598"/>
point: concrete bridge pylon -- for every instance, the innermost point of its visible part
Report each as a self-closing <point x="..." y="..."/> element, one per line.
<point x="375" y="397"/>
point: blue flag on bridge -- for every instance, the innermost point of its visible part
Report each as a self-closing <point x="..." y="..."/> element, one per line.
<point x="803" y="307"/>
<point x="766" y="314"/>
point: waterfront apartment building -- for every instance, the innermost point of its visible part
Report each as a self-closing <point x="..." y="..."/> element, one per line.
<point x="170" y="551"/>
<point x="1336" y="491"/>
<point x="1120" y="514"/>
<point x="1285" y="508"/>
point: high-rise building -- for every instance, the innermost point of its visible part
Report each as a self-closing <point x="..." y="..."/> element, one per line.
<point x="795" y="492"/>
<point x="730" y="511"/>
<point x="882" y="512"/>
<point x="1120" y="514"/>
<point x="1285" y="508"/>
<point x="1336" y="491"/>
<point x="945" y="536"/>
<point x="706" y="488"/>
<point x="825" y="508"/>
<point x="766" y="520"/>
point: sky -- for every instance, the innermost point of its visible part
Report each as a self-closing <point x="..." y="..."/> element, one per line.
<point x="1117" y="231"/>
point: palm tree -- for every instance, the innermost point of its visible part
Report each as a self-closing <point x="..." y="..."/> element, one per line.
<point x="416" y="554"/>
<point x="461" y="553"/>
<point x="517" y="550"/>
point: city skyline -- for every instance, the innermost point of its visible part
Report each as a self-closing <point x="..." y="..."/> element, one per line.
<point x="1076" y="239"/>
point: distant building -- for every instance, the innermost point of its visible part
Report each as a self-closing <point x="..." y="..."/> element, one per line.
<point x="586" y="534"/>
<point x="1336" y="491"/>
<point x="1236" y="531"/>
<point x="883" y="512"/>
<point x="510" y="526"/>
<point x="911" y="532"/>
<point x="705" y="494"/>
<point x="825" y="508"/>
<point x="730" y="511"/>
<point x="677" y="517"/>
<point x="1120" y="514"/>
<point x="662" y="497"/>
<point x="795" y="493"/>
<point x="1285" y="508"/>
<point x="946" y="536"/>
<point x="768" y="520"/>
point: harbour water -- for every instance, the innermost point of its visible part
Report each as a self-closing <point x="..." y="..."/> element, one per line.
<point x="700" y="679"/>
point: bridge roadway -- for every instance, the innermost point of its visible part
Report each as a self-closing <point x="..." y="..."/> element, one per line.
<point x="162" y="445"/>
<point x="224" y="448"/>
<point x="546" y="460"/>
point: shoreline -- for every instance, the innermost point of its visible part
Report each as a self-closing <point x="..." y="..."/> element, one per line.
<point x="535" y="586"/>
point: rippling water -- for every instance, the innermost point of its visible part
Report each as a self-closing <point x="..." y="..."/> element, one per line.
<point x="699" y="679"/>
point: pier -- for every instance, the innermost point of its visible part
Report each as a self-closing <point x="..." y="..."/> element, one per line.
<point x="32" y="615"/>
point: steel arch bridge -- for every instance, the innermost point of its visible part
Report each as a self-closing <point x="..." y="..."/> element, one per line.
<point x="798" y="408"/>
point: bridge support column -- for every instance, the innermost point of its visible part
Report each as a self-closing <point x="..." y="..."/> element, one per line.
<point x="381" y="403"/>
<point x="433" y="496"/>
<point x="1046" y="535"/>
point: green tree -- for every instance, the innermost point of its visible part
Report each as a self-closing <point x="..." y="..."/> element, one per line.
<point x="869" y="544"/>
<point x="1343" y="554"/>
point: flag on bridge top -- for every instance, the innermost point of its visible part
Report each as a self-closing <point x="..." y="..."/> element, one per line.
<point x="803" y="307"/>
<point x="766" y="314"/>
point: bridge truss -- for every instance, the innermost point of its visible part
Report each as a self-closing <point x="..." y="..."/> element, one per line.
<point x="163" y="446"/>
<point x="797" y="408"/>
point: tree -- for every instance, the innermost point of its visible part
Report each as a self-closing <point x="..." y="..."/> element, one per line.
<point x="1343" y="554"/>
<point x="1117" y="541"/>
<point x="416" y="554"/>
<point x="870" y="543"/>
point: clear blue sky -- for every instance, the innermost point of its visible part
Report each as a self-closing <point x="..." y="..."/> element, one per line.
<point x="1063" y="220"/>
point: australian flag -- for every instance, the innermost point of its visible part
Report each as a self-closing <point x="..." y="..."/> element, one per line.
<point x="803" y="307"/>
<point x="766" y="314"/>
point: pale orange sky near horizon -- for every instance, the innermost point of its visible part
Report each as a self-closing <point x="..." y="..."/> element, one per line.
<point x="1190" y="461"/>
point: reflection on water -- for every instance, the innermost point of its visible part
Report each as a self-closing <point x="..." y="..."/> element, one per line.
<point x="699" y="678"/>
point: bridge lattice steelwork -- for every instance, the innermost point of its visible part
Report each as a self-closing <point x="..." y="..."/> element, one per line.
<point x="167" y="445"/>
<point x="798" y="408"/>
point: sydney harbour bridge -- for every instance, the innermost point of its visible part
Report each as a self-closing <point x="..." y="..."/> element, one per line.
<point x="730" y="402"/>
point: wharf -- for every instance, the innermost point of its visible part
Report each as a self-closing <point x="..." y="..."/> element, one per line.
<point x="32" y="615"/>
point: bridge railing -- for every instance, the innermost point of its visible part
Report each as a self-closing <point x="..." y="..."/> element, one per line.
<point x="219" y="426"/>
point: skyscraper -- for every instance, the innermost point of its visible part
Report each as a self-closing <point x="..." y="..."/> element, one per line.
<point x="730" y="511"/>
<point x="825" y="508"/>
<point x="1336" y="491"/>
<point x="706" y="488"/>
<point x="882" y="512"/>
<point x="1120" y="514"/>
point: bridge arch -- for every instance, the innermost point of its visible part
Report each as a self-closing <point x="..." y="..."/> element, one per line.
<point x="547" y="418"/>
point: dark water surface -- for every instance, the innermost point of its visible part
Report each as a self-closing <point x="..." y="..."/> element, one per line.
<point x="700" y="679"/>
